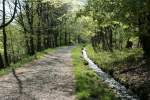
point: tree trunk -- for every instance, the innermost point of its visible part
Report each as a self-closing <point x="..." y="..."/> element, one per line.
<point x="145" y="40"/>
<point x="32" y="50"/>
<point x="39" y="47"/>
<point x="66" y="38"/>
<point x="1" y="62"/>
<point x="110" y="39"/>
<point x="69" y="38"/>
<point x="45" y="42"/>
<point x="27" y="43"/>
<point x="144" y="23"/>
<point x="56" y="39"/>
<point x="60" y="41"/>
<point x="5" y="37"/>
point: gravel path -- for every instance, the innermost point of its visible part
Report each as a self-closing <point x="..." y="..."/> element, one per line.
<point x="50" y="78"/>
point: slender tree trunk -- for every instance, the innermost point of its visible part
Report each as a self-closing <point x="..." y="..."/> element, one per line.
<point x="60" y="37"/>
<point x="49" y="40"/>
<point x="69" y="38"/>
<point x="56" y="42"/>
<point x="27" y="43"/>
<point x="144" y="20"/>
<point x="12" y="48"/>
<point x="78" y="38"/>
<point x="45" y="42"/>
<point x="145" y="40"/>
<point x="39" y="47"/>
<point x="32" y="48"/>
<point x="5" y="37"/>
<point x="103" y="41"/>
<point x="1" y="61"/>
<point x="65" y="38"/>
<point x="110" y="40"/>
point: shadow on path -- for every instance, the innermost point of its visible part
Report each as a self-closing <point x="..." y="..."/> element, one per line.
<point x="23" y="95"/>
<point x="18" y="81"/>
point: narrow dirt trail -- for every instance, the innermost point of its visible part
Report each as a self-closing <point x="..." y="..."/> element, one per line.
<point x="50" y="78"/>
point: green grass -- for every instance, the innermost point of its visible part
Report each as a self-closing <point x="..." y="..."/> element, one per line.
<point x="25" y="59"/>
<point x="109" y="60"/>
<point x="88" y="85"/>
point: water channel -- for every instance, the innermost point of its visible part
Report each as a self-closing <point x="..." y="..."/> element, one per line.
<point x="118" y="88"/>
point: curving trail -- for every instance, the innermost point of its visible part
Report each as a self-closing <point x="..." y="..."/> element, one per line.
<point x="50" y="78"/>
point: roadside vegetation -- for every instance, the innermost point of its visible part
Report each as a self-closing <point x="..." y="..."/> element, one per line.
<point x="25" y="60"/>
<point x="116" y="32"/>
<point x="31" y="26"/>
<point x="88" y="85"/>
<point x="126" y="66"/>
<point x="119" y="40"/>
<point x="108" y="60"/>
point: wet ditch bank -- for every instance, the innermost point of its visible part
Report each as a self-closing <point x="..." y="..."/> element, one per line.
<point x="117" y="87"/>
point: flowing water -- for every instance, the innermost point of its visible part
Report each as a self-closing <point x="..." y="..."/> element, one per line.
<point x="121" y="91"/>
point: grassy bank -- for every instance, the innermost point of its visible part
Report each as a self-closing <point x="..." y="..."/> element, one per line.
<point x="88" y="85"/>
<point x="109" y="61"/>
<point x="126" y="66"/>
<point x="24" y="60"/>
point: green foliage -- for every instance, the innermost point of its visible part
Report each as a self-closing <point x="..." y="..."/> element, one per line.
<point x="84" y="27"/>
<point x="107" y="60"/>
<point x="122" y="16"/>
<point x="24" y="60"/>
<point x="38" y="26"/>
<point x="88" y="85"/>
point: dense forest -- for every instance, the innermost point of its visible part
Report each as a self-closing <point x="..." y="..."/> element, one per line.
<point x="30" y="26"/>
<point x="116" y="33"/>
<point x="44" y="24"/>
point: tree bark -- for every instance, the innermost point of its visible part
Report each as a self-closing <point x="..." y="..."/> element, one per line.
<point x="5" y="36"/>
<point x="1" y="62"/>
<point x="144" y="23"/>
<point x="66" y="38"/>
<point x="145" y="40"/>
<point x="13" y="16"/>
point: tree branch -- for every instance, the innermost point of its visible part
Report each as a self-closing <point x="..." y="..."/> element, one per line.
<point x="12" y="18"/>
